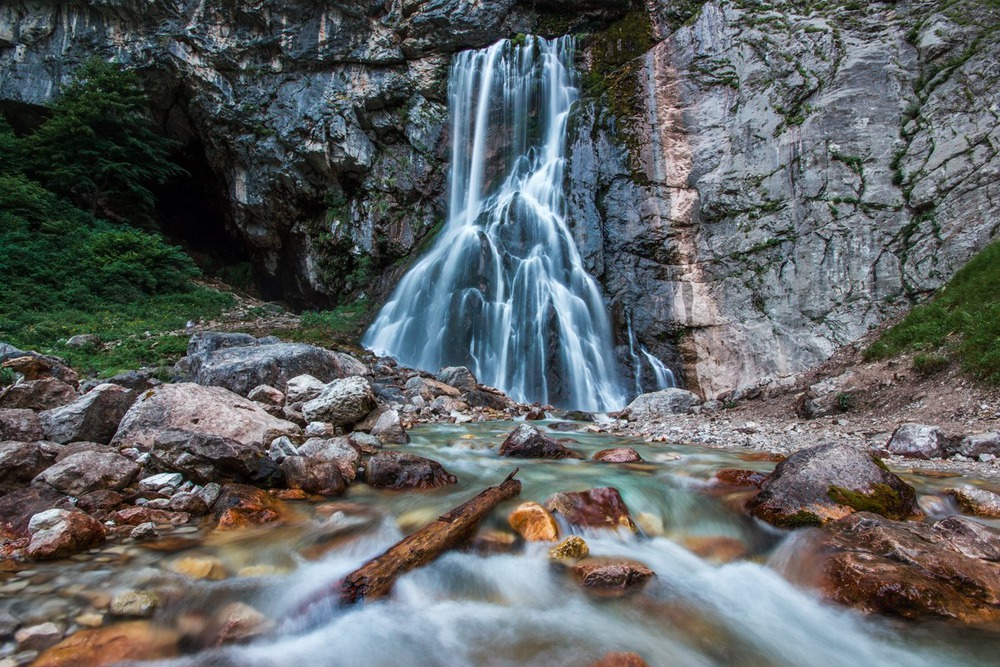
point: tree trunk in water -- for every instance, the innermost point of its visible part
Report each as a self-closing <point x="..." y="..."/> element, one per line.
<point x="374" y="579"/>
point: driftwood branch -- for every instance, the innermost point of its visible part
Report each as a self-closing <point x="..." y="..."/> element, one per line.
<point x="375" y="578"/>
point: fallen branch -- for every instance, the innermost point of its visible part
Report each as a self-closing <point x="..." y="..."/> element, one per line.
<point x="374" y="579"/>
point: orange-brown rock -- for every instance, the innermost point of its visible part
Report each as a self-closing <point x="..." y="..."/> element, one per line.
<point x="534" y="523"/>
<point x="611" y="576"/>
<point x="620" y="659"/>
<point x="740" y="477"/>
<point x="133" y="516"/>
<point x="135" y="640"/>
<point x="618" y="455"/>
<point x="242" y="506"/>
<point x="716" y="548"/>
<point x="597" y="508"/>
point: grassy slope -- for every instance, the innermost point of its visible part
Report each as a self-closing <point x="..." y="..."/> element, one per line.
<point x="962" y="322"/>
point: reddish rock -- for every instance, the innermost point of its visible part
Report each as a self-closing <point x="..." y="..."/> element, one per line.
<point x="535" y="413"/>
<point x="395" y="470"/>
<point x="534" y="523"/>
<point x="100" y="501"/>
<point x="17" y="508"/>
<point x="20" y="462"/>
<point x="620" y="660"/>
<point x="314" y="475"/>
<point x="242" y="506"/>
<point x="57" y="533"/>
<point x="135" y="640"/>
<point x="946" y="570"/>
<point x="42" y="394"/>
<point x="597" y="508"/>
<point x="618" y="455"/>
<point x="20" y="425"/>
<point x="716" y="548"/>
<point x="133" y="516"/>
<point x="611" y="576"/>
<point x="33" y="366"/>
<point x="189" y="503"/>
<point x="527" y="442"/>
<point x="739" y="477"/>
<point x="88" y="471"/>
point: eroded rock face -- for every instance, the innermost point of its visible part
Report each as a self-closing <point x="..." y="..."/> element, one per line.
<point x="527" y="442"/>
<point x="192" y="407"/>
<point x="946" y="570"/>
<point x="396" y="470"/>
<point x="828" y="482"/>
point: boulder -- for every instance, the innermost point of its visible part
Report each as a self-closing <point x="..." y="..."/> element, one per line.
<point x="534" y="523"/>
<point x="84" y="341"/>
<point x="832" y="396"/>
<point x="978" y="444"/>
<point x="334" y="450"/>
<point x="572" y="548"/>
<point x="241" y="506"/>
<point x="164" y="482"/>
<point x="269" y="397"/>
<point x="535" y="413"/>
<point x="20" y="462"/>
<point x="134" y="516"/>
<point x="429" y="389"/>
<point x="919" y="441"/>
<point x="119" y="643"/>
<point x="137" y="604"/>
<point x="99" y="503"/>
<point x="208" y="410"/>
<point x="313" y="475"/>
<point x="396" y="470"/>
<point x="32" y="366"/>
<point x="659" y="405"/>
<point x="63" y="451"/>
<point x="364" y="443"/>
<point x="341" y="402"/>
<point x="489" y="398"/>
<point x="618" y="455"/>
<point x="138" y="381"/>
<point x="211" y="341"/>
<point x="38" y="637"/>
<point x="241" y="368"/>
<point x="17" y="508"/>
<point x="42" y="394"/>
<point x="88" y="471"/>
<point x="302" y="388"/>
<point x="597" y="508"/>
<point x="459" y="377"/>
<point x="526" y="441"/>
<point x="93" y="417"/>
<point x="205" y="457"/>
<point x="445" y="405"/>
<point x="911" y="569"/>
<point x="20" y="424"/>
<point x="57" y="533"/>
<point x="280" y="448"/>
<point x="389" y="429"/>
<point x="827" y="482"/>
<point x="974" y="500"/>
<point x="188" y="502"/>
<point x="612" y="577"/>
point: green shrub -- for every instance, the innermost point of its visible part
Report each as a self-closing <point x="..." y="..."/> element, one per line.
<point x="7" y="377"/>
<point x="929" y="364"/>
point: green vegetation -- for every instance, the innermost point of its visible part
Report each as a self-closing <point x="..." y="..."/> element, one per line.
<point x="962" y="322"/>
<point x="845" y="401"/>
<point x="882" y="499"/>
<point x="325" y="327"/>
<point x="7" y="377"/>
<point x="65" y="270"/>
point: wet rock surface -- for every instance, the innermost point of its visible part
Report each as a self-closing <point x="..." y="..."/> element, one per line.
<point x="611" y="576"/>
<point x="595" y="508"/>
<point x="828" y="482"/>
<point x="526" y="441"/>
<point x="396" y="470"/>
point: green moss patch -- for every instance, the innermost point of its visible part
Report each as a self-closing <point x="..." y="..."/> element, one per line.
<point x="882" y="499"/>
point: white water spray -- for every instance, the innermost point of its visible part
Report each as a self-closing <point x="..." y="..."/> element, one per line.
<point x="503" y="291"/>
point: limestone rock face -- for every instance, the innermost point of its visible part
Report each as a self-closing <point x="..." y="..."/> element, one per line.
<point x="94" y="417"/>
<point x="828" y="482"/>
<point x="207" y="410"/>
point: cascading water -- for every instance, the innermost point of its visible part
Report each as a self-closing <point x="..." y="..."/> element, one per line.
<point x="503" y="291"/>
<point x="663" y="377"/>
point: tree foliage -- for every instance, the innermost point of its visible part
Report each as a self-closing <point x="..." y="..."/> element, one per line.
<point x="98" y="147"/>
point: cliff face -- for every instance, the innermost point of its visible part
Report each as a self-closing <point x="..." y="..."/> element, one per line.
<point x="797" y="174"/>
<point x="754" y="183"/>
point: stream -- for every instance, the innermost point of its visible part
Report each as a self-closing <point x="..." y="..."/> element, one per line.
<point x="515" y="608"/>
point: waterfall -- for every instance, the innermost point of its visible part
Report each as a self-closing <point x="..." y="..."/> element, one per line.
<point x="663" y="376"/>
<point x="503" y="290"/>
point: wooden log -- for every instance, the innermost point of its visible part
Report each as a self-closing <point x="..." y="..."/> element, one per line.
<point x="374" y="579"/>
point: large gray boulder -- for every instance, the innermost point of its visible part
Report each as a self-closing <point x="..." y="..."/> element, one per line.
<point x="459" y="377"/>
<point x="302" y="388"/>
<point x="341" y="402"/>
<point x="827" y="482"/>
<point x="659" y="405"/>
<point x="208" y="410"/>
<point x="389" y="429"/>
<point x="209" y="457"/>
<point x="919" y="441"/>
<point x="977" y="444"/>
<point x="242" y="368"/>
<point x="336" y="450"/>
<point x="88" y="471"/>
<point x="93" y="417"/>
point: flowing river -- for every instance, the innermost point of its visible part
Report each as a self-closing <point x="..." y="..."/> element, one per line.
<point x="738" y="605"/>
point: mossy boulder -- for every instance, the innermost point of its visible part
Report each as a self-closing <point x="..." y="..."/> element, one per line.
<point x="828" y="482"/>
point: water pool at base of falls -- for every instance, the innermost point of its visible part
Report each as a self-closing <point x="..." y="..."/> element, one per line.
<point x="518" y="608"/>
